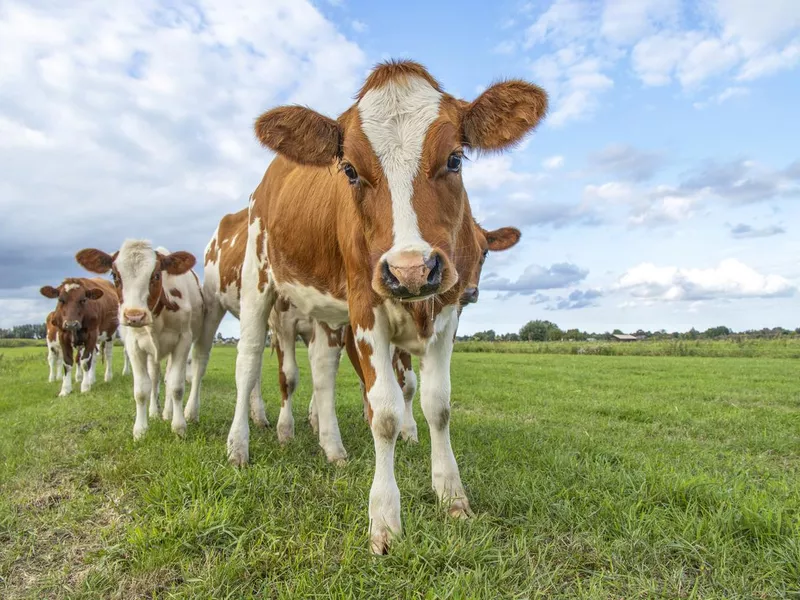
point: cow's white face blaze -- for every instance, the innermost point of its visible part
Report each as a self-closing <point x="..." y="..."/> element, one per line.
<point x="395" y="119"/>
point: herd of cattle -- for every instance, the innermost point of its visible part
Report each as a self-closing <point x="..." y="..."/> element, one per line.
<point x="359" y="237"/>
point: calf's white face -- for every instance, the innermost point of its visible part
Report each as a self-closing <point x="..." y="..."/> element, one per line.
<point x="138" y="271"/>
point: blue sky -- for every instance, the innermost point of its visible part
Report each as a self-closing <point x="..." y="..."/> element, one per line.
<point x="661" y="192"/>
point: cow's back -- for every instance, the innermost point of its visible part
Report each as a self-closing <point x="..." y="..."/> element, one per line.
<point x="185" y="308"/>
<point x="222" y="279"/>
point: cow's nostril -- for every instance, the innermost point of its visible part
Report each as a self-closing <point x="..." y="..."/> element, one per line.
<point x="434" y="265"/>
<point x="388" y="277"/>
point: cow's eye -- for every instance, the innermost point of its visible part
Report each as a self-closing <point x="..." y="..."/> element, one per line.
<point x="350" y="172"/>
<point x="83" y="300"/>
<point x="157" y="275"/>
<point x="454" y="162"/>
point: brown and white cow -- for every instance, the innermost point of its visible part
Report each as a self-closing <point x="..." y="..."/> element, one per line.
<point x="54" y="359"/>
<point x="86" y="314"/>
<point x="356" y="221"/>
<point x="161" y="307"/>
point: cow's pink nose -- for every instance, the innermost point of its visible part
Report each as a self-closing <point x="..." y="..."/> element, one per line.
<point x="410" y="274"/>
<point x="134" y="316"/>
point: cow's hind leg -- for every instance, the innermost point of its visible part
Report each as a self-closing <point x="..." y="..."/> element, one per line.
<point x="176" y="383"/>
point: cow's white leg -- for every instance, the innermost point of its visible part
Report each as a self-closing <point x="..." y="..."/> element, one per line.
<point x="258" y="298"/>
<point x="78" y="370"/>
<point x="435" y="397"/>
<point x="409" y="430"/>
<point x="313" y="417"/>
<point x="66" y="381"/>
<point x="189" y="370"/>
<point x="386" y="414"/>
<point x="287" y="380"/>
<point x="201" y="352"/>
<point x="142" y="384"/>
<point x="154" y="373"/>
<point x="257" y="412"/>
<point x="109" y="351"/>
<point x="87" y="366"/>
<point x="52" y="361"/>
<point x="126" y="363"/>
<point x="176" y="382"/>
<point x="324" y="360"/>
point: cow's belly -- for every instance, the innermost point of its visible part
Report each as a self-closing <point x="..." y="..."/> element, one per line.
<point x="230" y="299"/>
<point x="316" y="304"/>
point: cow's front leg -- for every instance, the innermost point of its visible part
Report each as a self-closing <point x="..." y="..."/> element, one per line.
<point x="408" y="383"/>
<point x="108" y="348"/>
<point x="176" y="382"/>
<point x="154" y="373"/>
<point x="386" y="416"/>
<point x="258" y="298"/>
<point x="87" y="363"/>
<point x="323" y="354"/>
<point x="142" y="385"/>
<point x="67" y="355"/>
<point x="435" y="395"/>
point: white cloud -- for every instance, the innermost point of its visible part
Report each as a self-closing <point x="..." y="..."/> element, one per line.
<point x="730" y="280"/>
<point x="563" y="22"/>
<point x="505" y="47"/>
<point x="489" y="173"/>
<point x="553" y="162"/>
<point x="624" y="22"/>
<point x="723" y="96"/>
<point x="574" y="82"/>
<point x="139" y="115"/>
<point x="770" y="62"/>
<point x="359" y="26"/>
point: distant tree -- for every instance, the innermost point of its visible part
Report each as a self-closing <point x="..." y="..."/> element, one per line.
<point x="484" y="336"/>
<point x="617" y="332"/>
<point x="717" y="332"/>
<point x="540" y="331"/>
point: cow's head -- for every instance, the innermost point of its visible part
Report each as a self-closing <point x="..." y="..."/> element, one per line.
<point x="496" y="240"/>
<point x="400" y="149"/>
<point x="73" y="298"/>
<point x="137" y="269"/>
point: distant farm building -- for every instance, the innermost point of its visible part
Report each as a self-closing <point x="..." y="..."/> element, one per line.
<point x="624" y="337"/>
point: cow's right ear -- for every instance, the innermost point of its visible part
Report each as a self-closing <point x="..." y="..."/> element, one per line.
<point x="49" y="291"/>
<point x="94" y="260"/>
<point x="301" y="135"/>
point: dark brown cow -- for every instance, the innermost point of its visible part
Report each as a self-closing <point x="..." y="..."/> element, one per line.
<point x="85" y="315"/>
<point x="357" y="221"/>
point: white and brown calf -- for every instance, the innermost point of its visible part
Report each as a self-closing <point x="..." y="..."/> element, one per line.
<point x="54" y="359"/>
<point x="85" y="315"/>
<point x="357" y="222"/>
<point x="161" y="307"/>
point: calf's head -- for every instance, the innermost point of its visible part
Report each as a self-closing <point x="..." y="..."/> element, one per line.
<point x="137" y="269"/>
<point x="400" y="148"/>
<point x="73" y="299"/>
<point x="496" y="240"/>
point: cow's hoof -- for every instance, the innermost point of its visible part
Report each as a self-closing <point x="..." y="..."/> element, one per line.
<point x="138" y="433"/>
<point x="238" y="454"/>
<point x="459" y="509"/>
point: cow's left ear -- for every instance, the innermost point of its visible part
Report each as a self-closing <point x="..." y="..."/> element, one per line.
<point x="501" y="116"/>
<point x="178" y="263"/>
<point x="94" y="294"/>
<point x="502" y="239"/>
<point x="49" y="291"/>
<point x="94" y="260"/>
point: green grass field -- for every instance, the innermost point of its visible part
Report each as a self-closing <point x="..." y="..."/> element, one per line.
<point x="591" y="477"/>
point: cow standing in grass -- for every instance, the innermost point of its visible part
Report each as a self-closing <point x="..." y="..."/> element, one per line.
<point x="161" y="305"/>
<point x="86" y="314"/>
<point x="54" y="359"/>
<point x="356" y="221"/>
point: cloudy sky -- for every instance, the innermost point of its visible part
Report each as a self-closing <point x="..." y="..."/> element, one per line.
<point x="663" y="190"/>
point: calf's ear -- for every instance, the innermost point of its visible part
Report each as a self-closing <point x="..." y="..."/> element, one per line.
<point x="49" y="291"/>
<point x="301" y="135"/>
<point x="502" y="115"/>
<point x="178" y="263"/>
<point x="503" y="238"/>
<point x="94" y="260"/>
<point x="95" y="294"/>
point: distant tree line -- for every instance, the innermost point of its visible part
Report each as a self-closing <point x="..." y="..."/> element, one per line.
<point x="24" y="332"/>
<point x="547" y="331"/>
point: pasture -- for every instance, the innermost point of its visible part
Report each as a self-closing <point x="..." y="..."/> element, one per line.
<point x="591" y="477"/>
